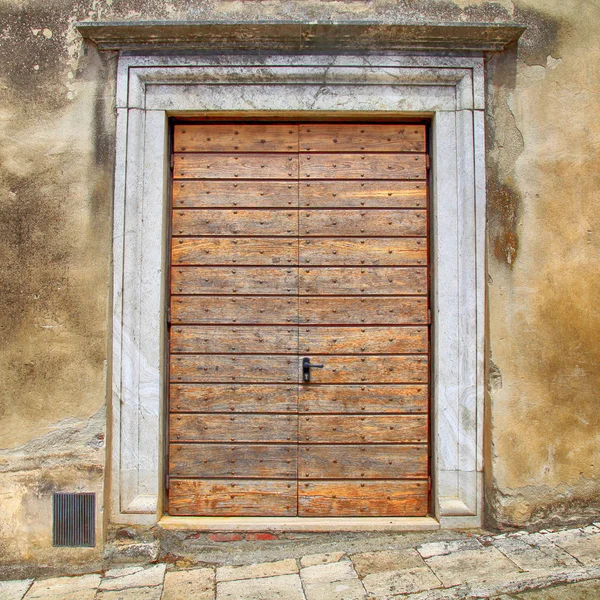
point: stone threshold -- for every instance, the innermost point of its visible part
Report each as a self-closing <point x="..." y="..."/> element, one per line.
<point x="299" y="524"/>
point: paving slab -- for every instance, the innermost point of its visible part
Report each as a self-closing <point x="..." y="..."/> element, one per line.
<point x="379" y="562"/>
<point x="282" y="587"/>
<point x="534" y="557"/>
<point x="140" y="593"/>
<point x="14" y="590"/>
<point x="407" y="581"/>
<point x="584" y="590"/>
<point x="190" y="584"/>
<point x="272" y="569"/>
<point x="120" y="579"/>
<point x="585" y="548"/>
<point x="443" y="548"/>
<point x="467" y="566"/>
<point x="82" y="587"/>
<point x="321" y="559"/>
<point x="332" y="581"/>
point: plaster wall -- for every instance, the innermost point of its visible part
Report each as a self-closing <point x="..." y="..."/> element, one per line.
<point x="57" y="129"/>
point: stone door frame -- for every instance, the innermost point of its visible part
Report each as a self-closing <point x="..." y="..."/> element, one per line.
<point x="447" y="89"/>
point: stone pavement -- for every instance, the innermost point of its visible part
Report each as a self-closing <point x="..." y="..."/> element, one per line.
<point x="549" y="565"/>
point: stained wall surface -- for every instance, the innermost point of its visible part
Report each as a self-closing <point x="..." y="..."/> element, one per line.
<point x="57" y="130"/>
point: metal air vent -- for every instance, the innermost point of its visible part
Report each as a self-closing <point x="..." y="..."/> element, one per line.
<point x="74" y="520"/>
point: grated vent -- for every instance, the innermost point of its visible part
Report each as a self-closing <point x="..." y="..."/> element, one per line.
<point x="74" y="520"/>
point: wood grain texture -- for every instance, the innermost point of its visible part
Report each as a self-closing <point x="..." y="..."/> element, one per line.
<point x="358" y="194"/>
<point x="238" y="310"/>
<point x="225" y="194"/>
<point x="232" y="428"/>
<point x="235" y="138"/>
<point x="384" y="137"/>
<point x="361" y="340"/>
<point x="379" y="310"/>
<point x="233" y="369"/>
<point x="234" y="280"/>
<point x="359" y="166"/>
<point x="362" y="462"/>
<point x="229" y="498"/>
<point x="368" y="281"/>
<point x="213" y="339"/>
<point x="362" y="498"/>
<point x="233" y="166"/>
<point x="244" y="398"/>
<point x="363" y="251"/>
<point x="270" y="223"/>
<point x="372" y="369"/>
<point x="363" y="399"/>
<point x="242" y="251"/>
<point x="268" y="461"/>
<point x="341" y="222"/>
<point x="362" y="429"/>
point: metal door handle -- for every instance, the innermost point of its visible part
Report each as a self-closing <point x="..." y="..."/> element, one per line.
<point x="306" y="367"/>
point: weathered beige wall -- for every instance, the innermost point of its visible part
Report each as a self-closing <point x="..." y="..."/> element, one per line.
<point x="56" y="153"/>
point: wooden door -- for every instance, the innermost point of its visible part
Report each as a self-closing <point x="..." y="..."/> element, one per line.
<point x="293" y="241"/>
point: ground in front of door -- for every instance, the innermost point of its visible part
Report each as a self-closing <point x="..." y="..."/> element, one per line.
<point x="548" y="565"/>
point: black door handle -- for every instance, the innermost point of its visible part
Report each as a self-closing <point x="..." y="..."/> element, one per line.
<point x="306" y="367"/>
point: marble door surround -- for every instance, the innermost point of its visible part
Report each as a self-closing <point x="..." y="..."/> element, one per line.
<point x="446" y="87"/>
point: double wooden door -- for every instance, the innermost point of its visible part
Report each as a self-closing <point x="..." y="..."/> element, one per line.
<point x="294" y="242"/>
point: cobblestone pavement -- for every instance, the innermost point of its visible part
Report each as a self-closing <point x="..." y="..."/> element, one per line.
<point x="549" y="565"/>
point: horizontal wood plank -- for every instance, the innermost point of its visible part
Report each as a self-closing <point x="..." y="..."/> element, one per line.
<point x="236" y="138"/>
<point x="362" y="461"/>
<point x="363" y="251"/>
<point x="232" y="428"/>
<point x="217" y="339"/>
<point x="361" y="340"/>
<point x="234" y="280"/>
<point x="239" y="310"/>
<point x="234" y="166"/>
<point x="379" y="310"/>
<point x="372" y="369"/>
<point x="362" y="429"/>
<point x="230" y="498"/>
<point x="367" y="222"/>
<point x="224" y="194"/>
<point x="242" y="251"/>
<point x="362" y="498"/>
<point x="358" y="194"/>
<point x="328" y="281"/>
<point x="233" y="369"/>
<point x="363" y="399"/>
<point x="350" y="137"/>
<point x="269" y="461"/>
<point x="361" y="166"/>
<point x="271" y="223"/>
<point x="213" y="397"/>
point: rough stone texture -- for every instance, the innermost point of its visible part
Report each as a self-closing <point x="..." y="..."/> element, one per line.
<point x="378" y="562"/>
<point x="282" y="587"/>
<point x="333" y="581"/>
<point x="320" y="559"/>
<point x="193" y="583"/>
<point x="64" y="588"/>
<point x="406" y="581"/>
<point x="586" y="590"/>
<point x="282" y="567"/>
<point x="140" y="593"/>
<point x="14" y="590"/>
<point x="119" y="579"/>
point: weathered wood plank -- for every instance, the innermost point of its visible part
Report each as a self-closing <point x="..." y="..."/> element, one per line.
<point x="232" y="428"/>
<point x="360" y="166"/>
<point x="271" y="223"/>
<point x="362" y="461"/>
<point x="362" y="429"/>
<point x="224" y="194"/>
<point x="233" y="369"/>
<point x="240" y="310"/>
<point x="363" y="340"/>
<point x="379" y="310"/>
<point x="234" y="280"/>
<point x="370" y="194"/>
<point x="269" y="461"/>
<point x="227" y="498"/>
<point x="233" y="166"/>
<point x="383" y="137"/>
<point x="344" y="223"/>
<point x="219" y="339"/>
<point x="372" y="369"/>
<point x="328" y="281"/>
<point x="366" y="251"/>
<point x="245" y="398"/>
<point x="362" y="498"/>
<point x="242" y="251"/>
<point x="236" y="138"/>
<point x="363" y="398"/>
